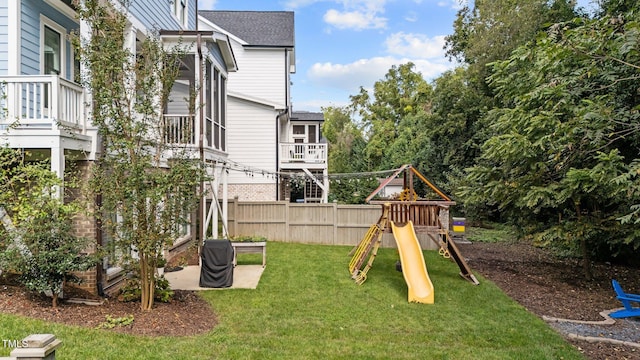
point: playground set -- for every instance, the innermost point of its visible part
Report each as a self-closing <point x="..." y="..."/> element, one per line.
<point x="406" y="216"/>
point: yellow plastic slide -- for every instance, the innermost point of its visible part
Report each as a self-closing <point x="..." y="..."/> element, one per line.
<point x="414" y="268"/>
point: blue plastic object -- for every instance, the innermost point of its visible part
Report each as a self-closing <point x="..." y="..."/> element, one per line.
<point x="626" y="300"/>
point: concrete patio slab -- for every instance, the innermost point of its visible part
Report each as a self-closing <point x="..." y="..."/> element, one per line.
<point x="244" y="277"/>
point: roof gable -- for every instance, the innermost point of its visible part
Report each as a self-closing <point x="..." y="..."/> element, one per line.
<point x="257" y="28"/>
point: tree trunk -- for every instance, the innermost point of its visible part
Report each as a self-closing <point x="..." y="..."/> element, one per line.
<point x="586" y="259"/>
<point x="147" y="284"/>
<point x="54" y="300"/>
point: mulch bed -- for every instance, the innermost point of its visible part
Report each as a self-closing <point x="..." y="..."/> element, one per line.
<point x="188" y="314"/>
<point x="553" y="287"/>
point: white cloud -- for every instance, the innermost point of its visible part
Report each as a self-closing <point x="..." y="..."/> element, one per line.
<point x="206" y="4"/>
<point x="295" y="4"/>
<point x="356" y="20"/>
<point x="454" y="4"/>
<point x="415" y="45"/>
<point x="365" y="72"/>
<point x="411" y="16"/>
<point x="357" y="14"/>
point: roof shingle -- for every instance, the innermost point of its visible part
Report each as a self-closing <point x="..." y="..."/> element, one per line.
<point x="257" y="28"/>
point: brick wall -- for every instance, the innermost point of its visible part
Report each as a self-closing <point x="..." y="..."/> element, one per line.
<point x="84" y="223"/>
<point x="252" y="192"/>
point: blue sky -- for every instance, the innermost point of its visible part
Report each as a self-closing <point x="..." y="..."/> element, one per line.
<point x="344" y="44"/>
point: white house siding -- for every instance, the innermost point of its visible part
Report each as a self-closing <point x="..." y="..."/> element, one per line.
<point x="4" y="39"/>
<point x="261" y="74"/>
<point x="251" y="141"/>
<point x="30" y="12"/>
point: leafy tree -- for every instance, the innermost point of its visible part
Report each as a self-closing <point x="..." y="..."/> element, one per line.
<point x="565" y="133"/>
<point x="402" y="92"/>
<point x="491" y="29"/>
<point x="455" y="128"/>
<point x="345" y="140"/>
<point x="42" y="246"/>
<point x="346" y="149"/>
<point x="616" y="7"/>
<point x="147" y="187"/>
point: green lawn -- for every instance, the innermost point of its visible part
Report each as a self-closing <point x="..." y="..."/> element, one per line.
<point x="306" y="307"/>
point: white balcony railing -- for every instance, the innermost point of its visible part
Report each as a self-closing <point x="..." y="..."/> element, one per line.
<point x="180" y="129"/>
<point x="309" y="153"/>
<point x="41" y="102"/>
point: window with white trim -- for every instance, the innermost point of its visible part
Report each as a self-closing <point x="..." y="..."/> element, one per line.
<point x="216" y="108"/>
<point x="52" y="47"/>
<point x="180" y="11"/>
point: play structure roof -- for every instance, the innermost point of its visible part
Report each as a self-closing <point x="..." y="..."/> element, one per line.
<point x="408" y="168"/>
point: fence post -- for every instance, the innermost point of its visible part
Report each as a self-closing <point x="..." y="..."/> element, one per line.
<point x="287" y="228"/>
<point x="335" y="223"/>
<point x="37" y="347"/>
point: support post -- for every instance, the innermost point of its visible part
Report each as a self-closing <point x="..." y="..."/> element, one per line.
<point x="57" y="166"/>
<point x="225" y="202"/>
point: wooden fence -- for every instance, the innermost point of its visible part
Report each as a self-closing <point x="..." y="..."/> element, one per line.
<point x="329" y="224"/>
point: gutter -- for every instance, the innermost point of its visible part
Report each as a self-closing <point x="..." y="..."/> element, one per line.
<point x="284" y="112"/>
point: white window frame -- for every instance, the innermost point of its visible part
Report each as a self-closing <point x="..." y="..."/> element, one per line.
<point x="305" y="136"/>
<point x="181" y="11"/>
<point x="218" y="109"/>
<point x="46" y="22"/>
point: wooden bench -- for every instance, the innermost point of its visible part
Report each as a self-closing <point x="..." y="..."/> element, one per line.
<point x="248" y="247"/>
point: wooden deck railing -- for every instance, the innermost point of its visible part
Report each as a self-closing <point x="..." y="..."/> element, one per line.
<point x="423" y="213"/>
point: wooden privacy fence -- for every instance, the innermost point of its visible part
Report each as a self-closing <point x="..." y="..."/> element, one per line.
<point x="329" y="224"/>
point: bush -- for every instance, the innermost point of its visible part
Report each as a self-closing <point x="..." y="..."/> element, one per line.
<point x="131" y="290"/>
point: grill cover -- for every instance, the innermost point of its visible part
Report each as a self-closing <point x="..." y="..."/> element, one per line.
<point x="217" y="264"/>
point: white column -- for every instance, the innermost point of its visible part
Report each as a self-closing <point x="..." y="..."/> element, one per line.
<point x="225" y="202"/>
<point x="13" y="39"/>
<point x="325" y="191"/>
<point x="214" y="207"/>
<point x="57" y="165"/>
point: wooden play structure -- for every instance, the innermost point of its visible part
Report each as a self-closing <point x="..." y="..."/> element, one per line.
<point x="425" y="216"/>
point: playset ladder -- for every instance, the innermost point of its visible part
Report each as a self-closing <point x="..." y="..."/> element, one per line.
<point x="448" y="248"/>
<point x="368" y="245"/>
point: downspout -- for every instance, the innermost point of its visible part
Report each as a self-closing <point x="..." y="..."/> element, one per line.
<point x="283" y="112"/>
<point x="203" y="201"/>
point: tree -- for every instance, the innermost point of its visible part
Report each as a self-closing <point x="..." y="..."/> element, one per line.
<point x="455" y="129"/>
<point x="147" y="186"/>
<point x="491" y="29"/>
<point x="42" y="246"/>
<point x="345" y="140"/>
<point x="403" y="92"/>
<point x="616" y="7"/>
<point x="346" y="149"/>
<point x="561" y="143"/>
